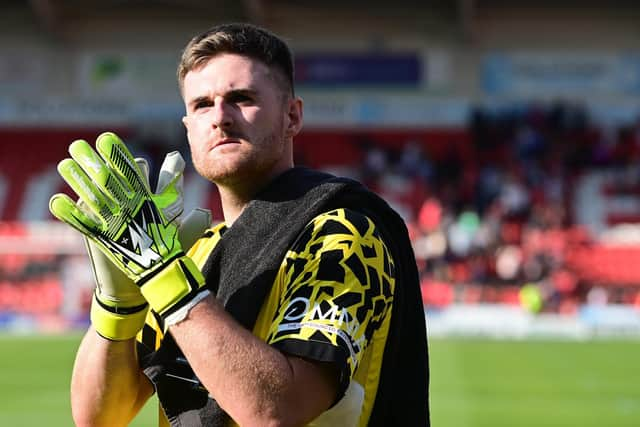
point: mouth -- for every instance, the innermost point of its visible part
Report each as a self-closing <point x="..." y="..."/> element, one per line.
<point x="225" y="141"/>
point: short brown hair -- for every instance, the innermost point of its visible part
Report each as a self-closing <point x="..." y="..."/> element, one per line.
<point x="242" y="39"/>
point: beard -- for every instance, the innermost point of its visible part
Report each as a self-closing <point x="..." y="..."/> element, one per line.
<point x="249" y="163"/>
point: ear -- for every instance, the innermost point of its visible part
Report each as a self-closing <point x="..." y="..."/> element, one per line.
<point x="294" y="117"/>
<point x="187" y="121"/>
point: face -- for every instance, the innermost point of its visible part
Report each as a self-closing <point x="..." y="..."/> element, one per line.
<point x="240" y="125"/>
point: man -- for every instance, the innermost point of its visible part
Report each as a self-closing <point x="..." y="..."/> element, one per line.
<point x="308" y="311"/>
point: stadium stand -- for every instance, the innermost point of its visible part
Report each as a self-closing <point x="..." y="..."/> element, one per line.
<point x="502" y="132"/>
<point x="483" y="222"/>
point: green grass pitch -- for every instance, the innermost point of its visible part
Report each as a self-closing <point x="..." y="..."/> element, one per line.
<point x="35" y="374"/>
<point x="535" y="383"/>
<point x="474" y="383"/>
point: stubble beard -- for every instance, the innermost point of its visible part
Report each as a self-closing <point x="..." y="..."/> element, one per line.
<point x="254" y="166"/>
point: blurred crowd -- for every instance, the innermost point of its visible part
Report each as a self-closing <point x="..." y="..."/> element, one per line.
<point x="494" y="222"/>
<point x="491" y="219"/>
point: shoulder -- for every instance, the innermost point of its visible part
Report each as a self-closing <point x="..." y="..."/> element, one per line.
<point x="339" y="222"/>
<point x="201" y="249"/>
<point x="343" y="237"/>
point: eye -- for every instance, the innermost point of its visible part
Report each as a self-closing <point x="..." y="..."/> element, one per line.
<point x="202" y="104"/>
<point x="239" y="98"/>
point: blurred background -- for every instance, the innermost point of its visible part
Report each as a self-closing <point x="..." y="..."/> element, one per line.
<point x="506" y="133"/>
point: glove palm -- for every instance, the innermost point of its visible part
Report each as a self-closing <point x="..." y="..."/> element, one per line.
<point x="135" y="228"/>
<point x="124" y="218"/>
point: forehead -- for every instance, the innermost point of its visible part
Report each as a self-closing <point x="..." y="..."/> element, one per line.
<point x="225" y="72"/>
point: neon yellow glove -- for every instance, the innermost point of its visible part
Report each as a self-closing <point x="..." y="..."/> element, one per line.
<point x="118" y="309"/>
<point x="129" y="224"/>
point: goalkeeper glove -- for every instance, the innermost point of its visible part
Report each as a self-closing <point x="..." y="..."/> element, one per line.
<point x="134" y="228"/>
<point x="118" y="309"/>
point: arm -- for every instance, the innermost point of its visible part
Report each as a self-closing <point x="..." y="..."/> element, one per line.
<point x="128" y="224"/>
<point x="107" y="387"/>
<point x="274" y="382"/>
<point x="252" y="381"/>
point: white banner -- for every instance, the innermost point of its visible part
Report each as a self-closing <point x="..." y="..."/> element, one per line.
<point x="513" y="322"/>
<point x="23" y="73"/>
<point x="561" y="73"/>
<point x="149" y="75"/>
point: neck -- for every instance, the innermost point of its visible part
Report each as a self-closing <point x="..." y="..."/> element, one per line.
<point x="233" y="204"/>
<point x="235" y="197"/>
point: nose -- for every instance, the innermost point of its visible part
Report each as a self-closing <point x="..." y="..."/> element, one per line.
<point x="222" y="117"/>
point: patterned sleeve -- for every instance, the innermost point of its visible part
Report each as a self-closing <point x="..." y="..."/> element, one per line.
<point x="338" y="282"/>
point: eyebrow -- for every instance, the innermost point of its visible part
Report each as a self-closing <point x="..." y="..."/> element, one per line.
<point x="234" y="92"/>
<point x="197" y="100"/>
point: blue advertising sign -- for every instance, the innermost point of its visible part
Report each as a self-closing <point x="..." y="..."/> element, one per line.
<point x="358" y="69"/>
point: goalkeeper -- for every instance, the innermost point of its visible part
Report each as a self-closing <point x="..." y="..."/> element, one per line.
<point x="301" y="308"/>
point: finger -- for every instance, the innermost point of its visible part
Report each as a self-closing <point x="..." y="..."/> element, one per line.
<point x="82" y="185"/>
<point x="118" y="157"/>
<point x="143" y="165"/>
<point x="172" y="170"/>
<point x="193" y="227"/>
<point x="63" y="208"/>
<point x="169" y="191"/>
<point x="87" y="211"/>
<point x="99" y="174"/>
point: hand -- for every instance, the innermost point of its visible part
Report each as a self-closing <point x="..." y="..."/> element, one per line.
<point x="118" y="309"/>
<point x="134" y="228"/>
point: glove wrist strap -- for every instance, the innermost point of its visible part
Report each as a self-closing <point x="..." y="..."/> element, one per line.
<point x="173" y="287"/>
<point x="117" y="323"/>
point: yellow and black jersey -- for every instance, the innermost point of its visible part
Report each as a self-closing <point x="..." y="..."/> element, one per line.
<point x="331" y="301"/>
